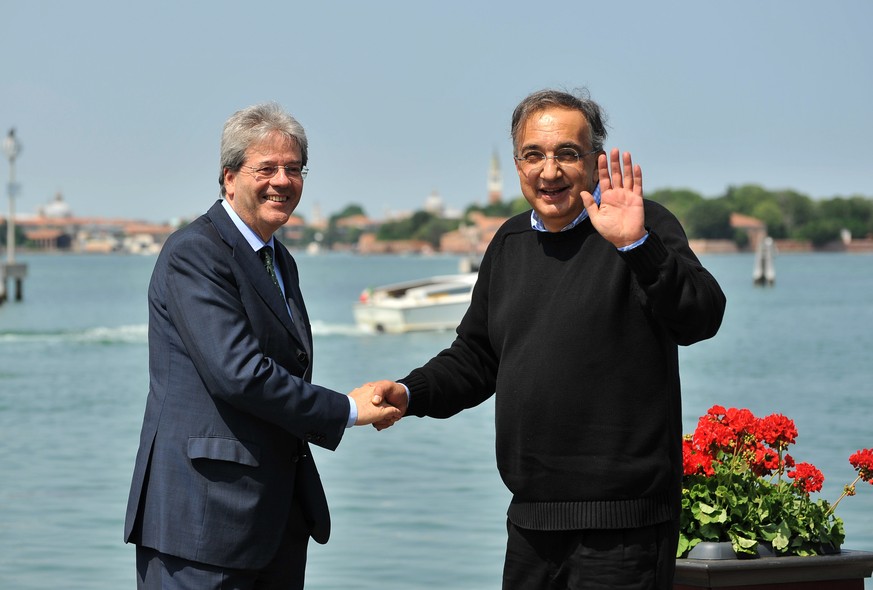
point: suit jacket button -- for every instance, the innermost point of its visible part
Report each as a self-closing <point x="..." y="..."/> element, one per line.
<point x="302" y="357"/>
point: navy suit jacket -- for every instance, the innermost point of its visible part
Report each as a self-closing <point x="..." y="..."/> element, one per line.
<point x="231" y="410"/>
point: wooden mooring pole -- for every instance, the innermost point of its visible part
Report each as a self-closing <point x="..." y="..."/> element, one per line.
<point x="15" y="273"/>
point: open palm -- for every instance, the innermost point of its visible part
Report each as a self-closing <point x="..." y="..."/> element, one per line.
<point x="619" y="217"/>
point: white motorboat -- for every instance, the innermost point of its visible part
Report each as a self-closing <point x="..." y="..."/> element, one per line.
<point x="434" y="303"/>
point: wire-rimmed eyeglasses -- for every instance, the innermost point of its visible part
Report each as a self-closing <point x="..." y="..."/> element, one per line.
<point x="291" y="170"/>
<point x="533" y="160"/>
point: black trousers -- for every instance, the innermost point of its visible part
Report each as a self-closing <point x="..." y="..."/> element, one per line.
<point x="621" y="559"/>
<point x="159" y="571"/>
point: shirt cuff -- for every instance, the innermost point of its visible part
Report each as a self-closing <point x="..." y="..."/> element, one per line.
<point x="635" y="244"/>
<point x="353" y="413"/>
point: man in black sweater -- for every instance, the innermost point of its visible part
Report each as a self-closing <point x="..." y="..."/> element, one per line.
<point x="574" y="323"/>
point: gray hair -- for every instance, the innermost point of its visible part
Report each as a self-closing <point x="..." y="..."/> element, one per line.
<point x="252" y="125"/>
<point x="548" y="98"/>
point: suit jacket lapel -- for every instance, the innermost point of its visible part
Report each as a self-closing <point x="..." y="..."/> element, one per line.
<point x="288" y="268"/>
<point x="257" y="274"/>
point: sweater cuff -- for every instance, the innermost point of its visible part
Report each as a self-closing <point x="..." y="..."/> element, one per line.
<point x="416" y="384"/>
<point x="645" y="260"/>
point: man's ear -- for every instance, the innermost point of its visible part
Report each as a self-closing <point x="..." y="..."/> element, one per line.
<point x="229" y="182"/>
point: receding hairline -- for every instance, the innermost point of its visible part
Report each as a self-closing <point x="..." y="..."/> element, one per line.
<point x="534" y="114"/>
<point x="549" y="98"/>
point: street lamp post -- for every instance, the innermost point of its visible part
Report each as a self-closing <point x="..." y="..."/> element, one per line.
<point x="11" y="147"/>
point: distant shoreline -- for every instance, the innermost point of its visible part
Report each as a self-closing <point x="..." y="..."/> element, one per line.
<point x="700" y="247"/>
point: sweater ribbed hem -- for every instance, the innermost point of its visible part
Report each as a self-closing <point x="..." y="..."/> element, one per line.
<point x="613" y="514"/>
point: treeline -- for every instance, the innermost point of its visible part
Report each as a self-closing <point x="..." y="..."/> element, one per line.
<point x="787" y="214"/>
<point x="421" y="225"/>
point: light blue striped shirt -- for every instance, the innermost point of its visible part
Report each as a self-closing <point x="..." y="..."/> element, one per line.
<point x="254" y="241"/>
<point x="537" y="223"/>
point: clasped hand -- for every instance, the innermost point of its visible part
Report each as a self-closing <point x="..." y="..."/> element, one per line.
<point x="381" y="403"/>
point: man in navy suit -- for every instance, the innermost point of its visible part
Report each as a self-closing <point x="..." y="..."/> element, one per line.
<point x="225" y="492"/>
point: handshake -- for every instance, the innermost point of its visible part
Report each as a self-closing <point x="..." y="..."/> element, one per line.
<point x="380" y="403"/>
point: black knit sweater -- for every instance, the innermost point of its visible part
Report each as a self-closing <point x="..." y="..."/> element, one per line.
<point x="579" y="342"/>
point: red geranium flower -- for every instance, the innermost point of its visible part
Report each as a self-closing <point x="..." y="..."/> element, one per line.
<point x="695" y="461"/>
<point x="807" y="478"/>
<point x="763" y="460"/>
<point x="777" y="431"/>
<point x="862" y="461"/>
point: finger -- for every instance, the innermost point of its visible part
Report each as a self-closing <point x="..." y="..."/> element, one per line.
<point x="638" y="180"/>
<point x="588" y="201"/>
<point x="603" y="172"/>
<point x="383" y="424"/>
<point x="628" y="171"/>
<point x="615" y="165"/>
<point x="377" y="399"/>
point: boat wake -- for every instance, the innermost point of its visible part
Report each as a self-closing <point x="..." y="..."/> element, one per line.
<point x="326" y="329"/>
<point x="133" y="334"/>
<point x="138" y="334"/>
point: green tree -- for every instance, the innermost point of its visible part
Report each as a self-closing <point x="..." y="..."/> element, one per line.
<point x="678" y="201"/>
<point x="348" y="211"/>
<point x="854" y="213"/>
<point x="797" y="209"/>
<point x="769" y="212"/>
<point x="432" y="230"/>
<point x="710" y="219"/>
<point x="20" y="240"/>
<point x="821" y="231"/>
<point x="502" y="209"/>
<point x="339" y="234"/>
<point x="519" y="205"/>
<point x="420" y="223"/>
<point x="744" y="199"/>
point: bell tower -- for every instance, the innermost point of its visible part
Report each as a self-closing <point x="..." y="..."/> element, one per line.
<point x="495" y="181"/>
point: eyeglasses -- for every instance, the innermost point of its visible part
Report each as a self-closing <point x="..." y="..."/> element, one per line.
<point x="291" y="170"/>
<point x="534" y="160"/>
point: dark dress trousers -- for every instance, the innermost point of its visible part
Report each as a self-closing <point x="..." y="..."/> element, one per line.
<point x="224" y="450"/>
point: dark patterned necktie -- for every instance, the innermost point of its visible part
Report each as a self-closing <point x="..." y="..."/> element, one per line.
<point x="266" y="254"/>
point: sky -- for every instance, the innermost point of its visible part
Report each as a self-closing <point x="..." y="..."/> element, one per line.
<point x="119" y="106"/>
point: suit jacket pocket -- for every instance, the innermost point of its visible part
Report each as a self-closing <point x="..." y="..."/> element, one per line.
<point x="224" y="449"/>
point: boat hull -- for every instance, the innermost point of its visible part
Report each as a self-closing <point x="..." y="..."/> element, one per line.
<point x="394" y="320"/>
<point x="435" y="303"/>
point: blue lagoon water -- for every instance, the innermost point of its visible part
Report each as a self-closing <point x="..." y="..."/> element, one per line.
<point x="417" y="506"/>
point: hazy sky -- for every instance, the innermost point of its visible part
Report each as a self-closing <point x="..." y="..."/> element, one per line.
<point x="119" y="105"/>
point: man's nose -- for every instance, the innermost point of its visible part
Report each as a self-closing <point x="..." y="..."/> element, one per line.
<point x="550" y="169"/>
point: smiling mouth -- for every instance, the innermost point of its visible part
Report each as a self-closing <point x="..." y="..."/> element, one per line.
<point x="552" y="193"/>
<point x="276" y="198"/>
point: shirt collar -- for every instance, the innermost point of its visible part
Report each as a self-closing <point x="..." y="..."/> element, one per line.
<point x="251" y="237"/>
<point x="537" y="223"/>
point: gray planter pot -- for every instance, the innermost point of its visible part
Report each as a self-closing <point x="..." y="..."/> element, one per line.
<point x="844" y="571"/>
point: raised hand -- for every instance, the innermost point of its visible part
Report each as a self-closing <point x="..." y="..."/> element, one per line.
<point x="619" y="218"/>
<point x="372" y="407"/>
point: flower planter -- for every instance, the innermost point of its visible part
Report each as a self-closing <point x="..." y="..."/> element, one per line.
<point x="724" y="550"/>
<point x="841" y="571"/>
